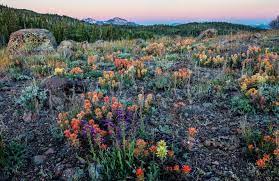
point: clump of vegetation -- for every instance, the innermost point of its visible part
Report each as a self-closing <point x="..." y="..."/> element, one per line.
<point x="12" y="157"/>
<point x="5" y="61"/>
<point x="32" y="98"/>
<point x="108" y="129"/>
<point x="262" y="148"/>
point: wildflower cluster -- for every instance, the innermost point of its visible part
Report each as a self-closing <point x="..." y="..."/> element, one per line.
<point x="99" y="119"/>
<point x="182" y="74"/>
<point x="139" y="69"/>
<point x="145" y="102"/>
<point x="122" y="64"/>
<point x="156" y="49"/>
<point x="91" y="60"/>
<point x="263" y="148"/>
<point x="185" y="169"/>
<point x="209" y="61"/>
<point x="252" y="87"/>
<point x="147" y="151"/>
<point x="108" y="80"/>
<point x="76" y="71"/>
<point x="59" y="71"/>
<point x="263" y="63"/>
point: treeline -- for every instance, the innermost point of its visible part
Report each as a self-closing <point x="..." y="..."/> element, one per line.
<point x="64" y="27"/>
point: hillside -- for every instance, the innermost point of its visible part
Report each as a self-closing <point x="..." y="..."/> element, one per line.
<point x="64" y="27"/>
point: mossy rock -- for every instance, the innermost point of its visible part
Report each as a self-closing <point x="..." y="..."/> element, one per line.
<point x="28" y="42"/>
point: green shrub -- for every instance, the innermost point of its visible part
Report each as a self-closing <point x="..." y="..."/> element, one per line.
<point x="241" y="105"/>
<point x="12" y="157"/>
<point x="32" y="97"/>
<point x="117" y="163"/>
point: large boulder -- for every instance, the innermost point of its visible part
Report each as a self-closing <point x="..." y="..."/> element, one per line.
<point x="59" y="88"/>
<point x="31" y="42"/>
<point x="209" y="33"/>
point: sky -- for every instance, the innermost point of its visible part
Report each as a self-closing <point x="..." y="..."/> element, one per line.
<point x="158" y="11"/>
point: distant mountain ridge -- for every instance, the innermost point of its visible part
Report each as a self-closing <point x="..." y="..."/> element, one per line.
<point x="68" y="28"/>
<point x="113" y="21"/>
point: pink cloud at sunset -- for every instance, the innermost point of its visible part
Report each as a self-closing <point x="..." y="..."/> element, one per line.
<point x="145" y="11"/>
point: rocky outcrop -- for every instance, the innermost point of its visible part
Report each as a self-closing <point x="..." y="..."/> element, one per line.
<point x="59" y="88"/>
<point x="209" y="33"/>
<point x="31" y="42"/>
<point x="69" y="48"/>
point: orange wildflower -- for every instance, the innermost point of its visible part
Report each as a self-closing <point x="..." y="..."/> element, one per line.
<point x="76" y="70"/>
<point x="176" y="168"/>
<point x="186" y="169"/>
<point x="137" y="152"/>
<point x="153" y="149"/>
<point x="80" y="115"/>
<point x="141" y="143"/>
<point x="91" y="59"/>
<point x="91" y="122"/>
<point x="276" y="152"/>
<point x="75" y="124"/>
<point x="109" y="115"/>
<point x="261" y="163"/>
<point x="67" y="133"/>
<point x="104" y="146"/>
<point x="106" y="99"/>
<point x="267" y="138"/>
<point x="87" y="105"/>
<point x="266" y="157"/>
<point x="250" y="147"/>
<point x="192" y="132"/>
<point x="98" y="113"/>
<point x="139" y="172"/>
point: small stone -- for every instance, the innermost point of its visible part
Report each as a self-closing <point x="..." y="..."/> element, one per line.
<point x="39" y="159"/>
<point x="58" y="169"/>
<point x="27" y="117"/>
<point x="215" y="163"/>
<point x="68" y="174"/>
<point x="49" y="151"/>
<point x="82" y="161"/>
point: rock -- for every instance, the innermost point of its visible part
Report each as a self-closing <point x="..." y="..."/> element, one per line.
<point x="94" y="171"/>
<point x="140" y="42"/>
<point x="72" y="174"/>
<point x="59" y="169"/>
<point x="56" y="84"/>
<point x="31" y="42"/>
<point x="29" y="116"/>
<point x="67" y="48"/>
<point x="39" y="159"/>
<point x="215" y="163"/>
<point x="255" y="36"/>
<point x="99" y="42"/>
<point x="59" y="88"/>
<point x="49" y="151"/>
<point x="209" y="33"/>
<point x="68" y="174"/>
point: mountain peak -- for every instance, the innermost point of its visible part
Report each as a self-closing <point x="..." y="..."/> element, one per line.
<point x="113" y="21"/>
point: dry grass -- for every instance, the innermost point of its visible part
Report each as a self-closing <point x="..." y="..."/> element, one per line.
<point x="5" y="61"/>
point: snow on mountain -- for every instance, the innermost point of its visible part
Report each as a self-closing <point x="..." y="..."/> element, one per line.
<point x="113" y="21"/>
